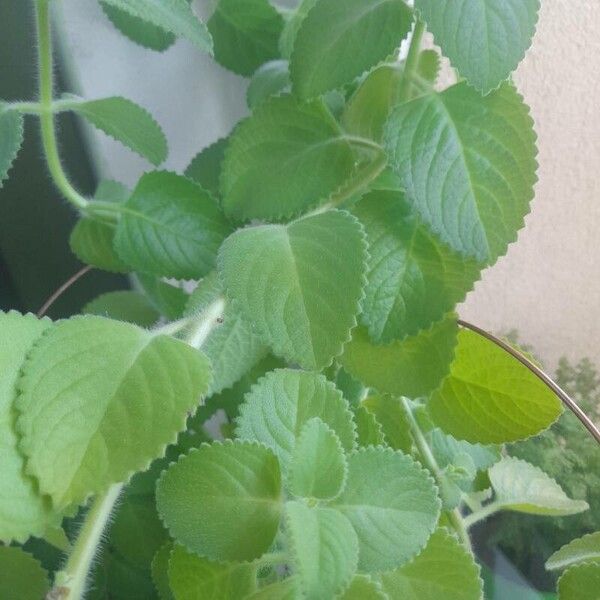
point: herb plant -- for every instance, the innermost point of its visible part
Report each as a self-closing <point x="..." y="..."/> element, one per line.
<point x="331" y="236"/>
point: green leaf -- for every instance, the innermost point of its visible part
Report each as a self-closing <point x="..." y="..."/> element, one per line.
<point x="11" y="138"/>
<point x="129" y="306"/>
<point x="111" y="191"/>
<point x="195" y="578"/>
<point x="583" y="549"/>
<point x="493" y="44"/>
<point x="337" y="42"/>
<point x="444" y="569"/>
<point x="21" y="576"/>
<point x="368" y="429"/>
<point x="521" y="487"/>
<point x="412" y="367"/>
<point x="271" y="152"/>
<point x="370" y="105"/>
<point x="413" y="278"/>
<point x="232" y="347"/>
<point x="390" y="415"/>
<point x="446" y="449"/>
<point x="272" y="79"/>
<point x="467" y="164"/>
<point x="580" y="582"/>
<point x="223" y="501"/>
<point x="175" y="16"/>
<point x="291" y="27"/>
<point x="127" y="123"/>
<point x="160" y="571"/>
<point x="490" y="397"/>
<point x="91" y="386"/>
<point x="324" y="547"/>
<point x="23" y="512"/>
<point x="92" y="243"/>
<point x="392" y="504"/>
<point x="170" y="227"/>
<point x="279" y="405"/>
<point x="428" y="66"/>
<point x="300" y="284"/>
<point x="363" y="587"/>
<point x="318" y="468"/>
<point x="205" y="167"/>
<point x="245" y="34"/>
<point x="168" y="299"/>
<point x="287" y="589"/>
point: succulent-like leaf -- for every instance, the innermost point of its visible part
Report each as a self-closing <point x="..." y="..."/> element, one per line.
<point x="583" y="549"/>
<point x="21" y="576"/>
<point x="11" y="138"/>
<point x="287" y="589"/>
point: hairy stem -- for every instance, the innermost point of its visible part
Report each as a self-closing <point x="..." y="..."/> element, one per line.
<point x="431" y="463"/>
<point x="412" y="60"/>
<point x="49" y="142"/>
<point x="210" y="317"/>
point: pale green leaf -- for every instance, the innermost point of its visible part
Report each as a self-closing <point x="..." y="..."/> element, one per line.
<point x="99" y="400"/>
<point x="21" y="576"/>
<point x="160" y="571"/>
<point x="127" y="305"/>
<point x="484" y="39"/>
<point x="92" y="242"/>
<point x="324" y="547"/>
<point x="413" y="278"/>
<point x="300" y="284"/>
<point x="368" y="428"/>
<point x="232" y="347"/>
<point x="519" y="486"/>
<point x="195" y="578"/>
<point x="270" y="154"/>
<point x="11" y="138"/>
<point x="245" y="34"/>
<point x="223" y="501"/>
<point x="111" y="191"/>
<point x="581" y="582"/>
<point x="363" y="587"/>
<point x="390" y="415"/>
<point x="170" y="227"/>
<point x="279" y="405"/>
<point x="583" y="549"/>
<point x="23" y="512"/>
<point x="467" y="164"/>
<point x="291" y="27"/>
<point x="337" y="42"/>
<point x="288" y="589"/>
<point x="413" y="367"/>
<point x="169" y="300"/>
<point x="127" y="123"/>
<point x="490" y="397"/>
<point x="444" y="569"/>
<point x="272" y="79"/>
<point x="175" y="16"/>
<point x="392" y="504"/>
<point x="318" y="468"/>
<point x="205" y="167"/>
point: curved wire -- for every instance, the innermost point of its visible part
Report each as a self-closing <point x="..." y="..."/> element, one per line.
<point x="566" y="399"/>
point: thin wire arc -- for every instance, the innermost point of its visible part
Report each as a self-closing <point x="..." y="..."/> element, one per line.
<point x="61" y="290"/>
<point x="544" y="377"/>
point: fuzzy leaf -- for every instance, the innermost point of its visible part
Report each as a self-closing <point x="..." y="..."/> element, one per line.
<point x="235" y="488"/>
<point x="232" y="347"/>
<point x="413" y="367"/>
<point x="11" y="138"/>
<point x="413" y="278"/>
<point x="205" y="167"/>
<point x="272" y="79"/>
<point x="489" y="397"/>
<point x="92" y="243"/>
<point x="278" y="406"/>
<point x="583" y="549"/>
<point x="99" y="400"/>
<point x="318" y="468"/>
<point x="291" y="27"/>
<point x="428" y="66"/>
<point x="443" y="569"/>
<point x="195" y="578"/>
<point x="521" y="487"/>
<point x="160" y="571"/>
<point x="363" y="587"/>
<point x="467" y="164"/>
<point x="127" y="123"/>
<point x="392" y="504"/>
<point x="127" y="305"/>
<point x="324" y="547"/>
<point x="487" y="50"/>
<point x="21" y="576"/>
<point x="580" y="582"/>
<point x="287" y="589"/>
<point x="170" y="227"/>
<point x="245" y="34"/>
<point x="337" y="42"/>
<point x="23" y="512"/>
<point x="368" y="428"/>
<point x="169" y="300"/>
<point x="390" y="415"/>
<point x="299" y="284"/>
<point x="270" y="154"/>
<point x="175" y="16"/>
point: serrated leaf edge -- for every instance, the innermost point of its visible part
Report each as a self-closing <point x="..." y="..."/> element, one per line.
<point x="20" y="133"/>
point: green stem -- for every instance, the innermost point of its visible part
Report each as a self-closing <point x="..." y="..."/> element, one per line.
<point x="431" y="463"/>
<point x="481" y="514"/>
<point x="210" y="317"/>
<point x="412" y="61"/>
<point x="71" y="581"/>
<point x="49" y="141"/>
